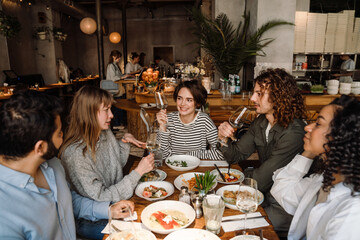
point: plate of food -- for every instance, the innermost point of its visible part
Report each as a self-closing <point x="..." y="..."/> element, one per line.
<point x="166" y="216"/>
<point x="235" y="175"/>
<point x="154" y="191"/>
<point x="188" y="180"/>
<point x="141" y="234"/>
<point x="148" y="105"/>
<point x="229" y="195"/>
<point x="191" y="234"/>
<point x="182" y="162"/>
<point x="154" y="175"/>
<point x="247" y="237"/>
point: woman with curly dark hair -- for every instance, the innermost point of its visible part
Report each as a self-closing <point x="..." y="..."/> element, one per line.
<point x="276" y="135"/>
<point x="326" y="203"/>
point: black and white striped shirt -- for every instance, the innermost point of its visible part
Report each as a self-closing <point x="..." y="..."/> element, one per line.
<point x="192" y="138"/>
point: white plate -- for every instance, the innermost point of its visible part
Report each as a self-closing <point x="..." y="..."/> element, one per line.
<point x="246" y="237"/>
<point x="148" y="105"/>
<point x="192" y="162"/>
<point x="160" y="184"/>
<point x="162" y="174"/>
<point x="191" y="234"/>
<point x="167" y="205"/>
<point x="221" y="190"/>
<point x="225" y="170"/>
<point x="178" y="182"/>
<point x="144" y="234"/>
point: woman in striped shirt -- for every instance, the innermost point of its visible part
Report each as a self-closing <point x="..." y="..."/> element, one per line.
<point x="188" y="131"/>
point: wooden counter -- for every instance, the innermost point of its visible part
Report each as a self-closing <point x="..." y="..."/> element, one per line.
<point x="214" y="99"/>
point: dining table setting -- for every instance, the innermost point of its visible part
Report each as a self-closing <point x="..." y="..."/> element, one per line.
<point x="170" y="205"/>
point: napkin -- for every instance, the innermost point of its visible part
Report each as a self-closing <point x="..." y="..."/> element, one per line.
<point x="121" y="225"/>
<point x="239" y="224"/>
<point x="205" y="163"/>
<point x="133" y="217"/>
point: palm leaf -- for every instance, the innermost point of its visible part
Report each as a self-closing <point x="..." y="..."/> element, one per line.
<point x="230" y="48"/>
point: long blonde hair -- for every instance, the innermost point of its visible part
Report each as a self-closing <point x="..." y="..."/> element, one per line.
<point x="83" y="121"/>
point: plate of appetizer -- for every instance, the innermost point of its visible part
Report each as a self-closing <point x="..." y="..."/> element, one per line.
<point x="229" y="195"/>
<point x="154" y="175"/>
<point x="188" y="180"/>
<point x="140" y="234"/>
<point x="182" y="162"/>
<point x="235" y="175"/>
<point x="166" y="216"/>
<point x="148" y="105"/>
<point x="154" y="191"/>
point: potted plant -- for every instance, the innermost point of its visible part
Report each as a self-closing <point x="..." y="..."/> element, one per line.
<point x="42" y="32"/>
<point x="9" y="26"/>
<point x="230" y="48"/>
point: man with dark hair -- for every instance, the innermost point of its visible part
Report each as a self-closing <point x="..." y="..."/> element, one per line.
<point x="276" y="134"/>
<point x="35" y="200"/>
<point x="163" y="65"/>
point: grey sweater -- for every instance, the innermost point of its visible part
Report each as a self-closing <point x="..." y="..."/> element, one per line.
<point x="101" y="180"/>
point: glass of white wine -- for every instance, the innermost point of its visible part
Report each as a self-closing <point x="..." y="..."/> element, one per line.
<point x="247" y="198"/>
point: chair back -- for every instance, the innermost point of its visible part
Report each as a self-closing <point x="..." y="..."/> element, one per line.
<point x="109" y="86"/>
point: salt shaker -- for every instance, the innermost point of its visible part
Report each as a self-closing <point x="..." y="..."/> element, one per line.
<point x="184" y="196"/>
<point x="197" y="203"/>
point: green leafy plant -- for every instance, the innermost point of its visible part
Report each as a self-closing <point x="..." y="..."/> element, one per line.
<point x="230" y="48"/>
<point x="204" y="181"/>
<point x="317" y="88"/>
<point x="9" y="26"/>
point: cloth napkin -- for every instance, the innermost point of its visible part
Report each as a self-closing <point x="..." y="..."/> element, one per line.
<point x="121" y="225"/>
<point x="239" y="224"/>
<point x="206" y="163"/>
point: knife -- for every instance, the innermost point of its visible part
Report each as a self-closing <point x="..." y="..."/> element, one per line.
<point x="237" y="219"/>
<point x="221" y="175"/>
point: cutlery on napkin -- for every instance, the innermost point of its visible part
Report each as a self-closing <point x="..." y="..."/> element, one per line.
<point x="237" y="222"/>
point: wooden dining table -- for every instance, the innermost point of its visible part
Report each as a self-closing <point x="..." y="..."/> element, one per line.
<point x="140" y="203"/>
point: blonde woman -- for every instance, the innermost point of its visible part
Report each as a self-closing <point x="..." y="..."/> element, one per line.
<point x="91" y="154"/>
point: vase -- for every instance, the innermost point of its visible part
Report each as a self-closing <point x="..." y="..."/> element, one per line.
<point x="150" y="89"/>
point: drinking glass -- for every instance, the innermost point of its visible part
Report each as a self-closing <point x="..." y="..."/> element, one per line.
<point x="247" y="198"/>
<point x="213" y="206"/>
<point x="241" y="118"/>
<point x="225" y="93"/>
<point x="160" y="98"/>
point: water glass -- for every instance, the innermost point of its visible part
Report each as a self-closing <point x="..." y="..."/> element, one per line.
<point x="213" y="207"/>
<point x="158" y="158"/>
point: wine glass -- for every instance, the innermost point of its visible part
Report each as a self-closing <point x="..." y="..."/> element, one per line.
<point x="160" y="98"/>
<point x="241" y="118"/>
<point x="225" y="93"/>
<point x="247" y="198"/>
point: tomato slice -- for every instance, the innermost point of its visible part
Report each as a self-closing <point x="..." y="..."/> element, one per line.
<point x="160" y="216"/>
<point x="147" y="194"/>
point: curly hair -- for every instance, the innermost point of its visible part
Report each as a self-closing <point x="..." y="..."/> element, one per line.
<point x="288" y="103"/>
<point x="343" y="148"/>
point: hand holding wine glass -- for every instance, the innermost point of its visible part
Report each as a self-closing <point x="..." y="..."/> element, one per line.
<point x="247" y="198"/>
<point x="236" y="121"/>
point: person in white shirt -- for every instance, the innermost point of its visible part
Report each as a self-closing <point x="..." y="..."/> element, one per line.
<point x="347" y="67"/>
<point x="133" y="66"/>
<point x="321" y="187"/>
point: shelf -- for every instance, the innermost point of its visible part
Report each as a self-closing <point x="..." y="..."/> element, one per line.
<point x="312" y="70"/>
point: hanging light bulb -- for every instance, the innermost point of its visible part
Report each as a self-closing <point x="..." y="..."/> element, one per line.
<point x="88" y="25"/>
<point x="115" y="37"/>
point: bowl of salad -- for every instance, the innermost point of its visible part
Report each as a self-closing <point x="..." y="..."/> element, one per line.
<point x="154" y="191"/>
<point x="182" y="162"/>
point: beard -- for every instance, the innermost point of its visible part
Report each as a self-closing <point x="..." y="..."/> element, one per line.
<point x="51" y="152"/>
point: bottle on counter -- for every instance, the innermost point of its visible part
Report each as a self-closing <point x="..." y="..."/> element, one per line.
<point x="237" y="84"/>
<point x="184" y="195"/>
<point x="232" y="83"/>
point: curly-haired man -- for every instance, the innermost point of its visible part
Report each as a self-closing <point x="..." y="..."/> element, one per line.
<point x="276" y="134"/>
